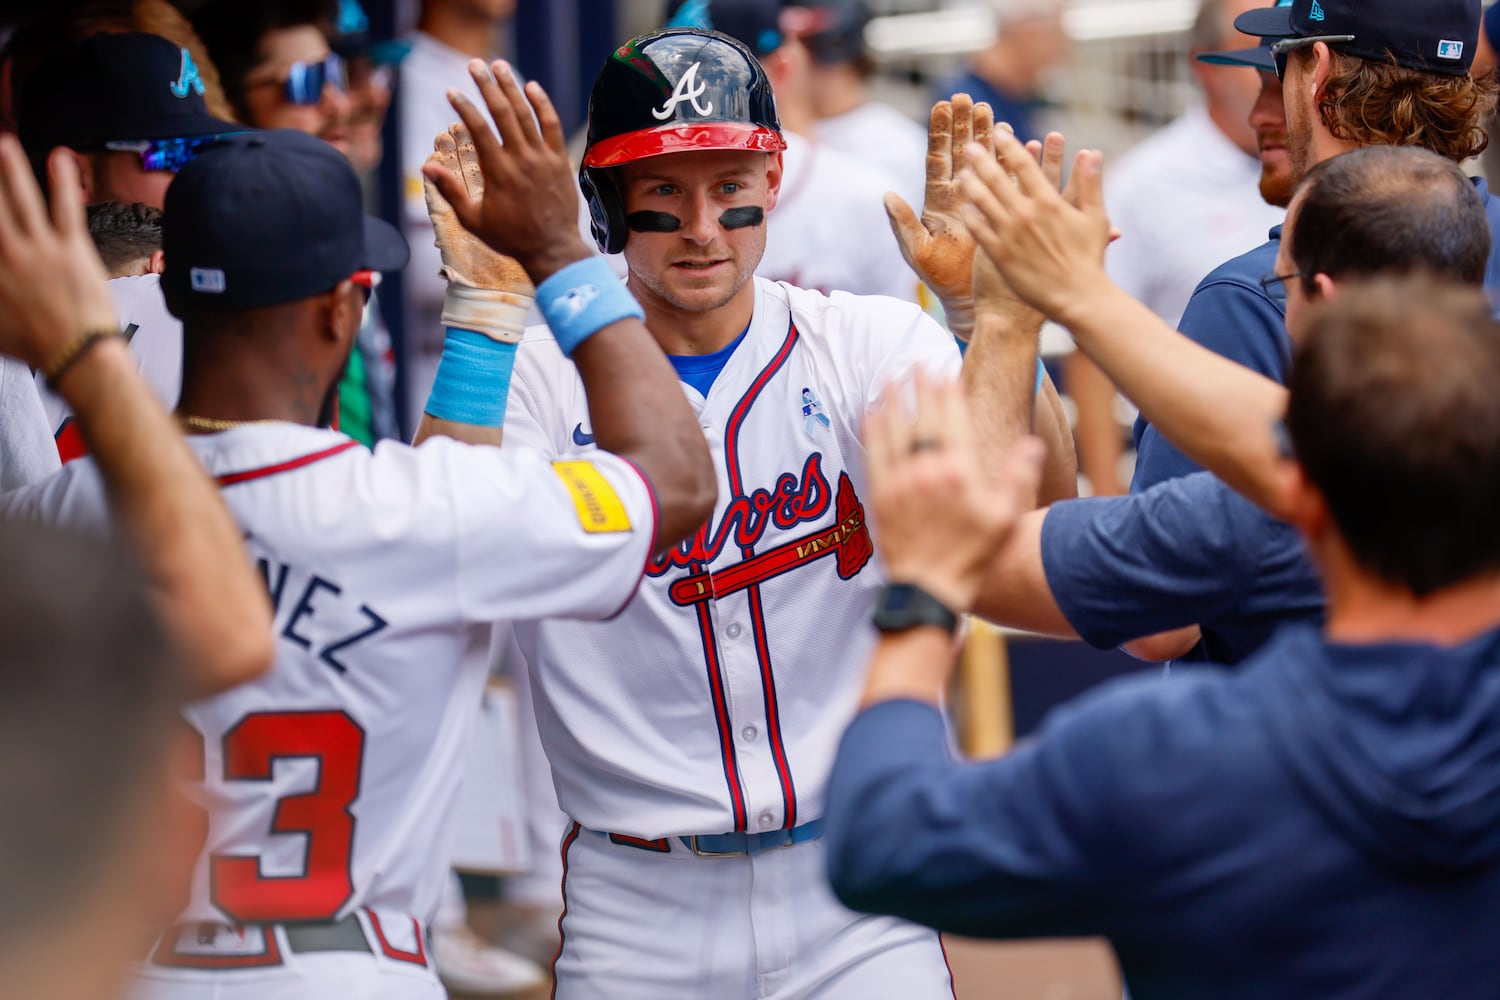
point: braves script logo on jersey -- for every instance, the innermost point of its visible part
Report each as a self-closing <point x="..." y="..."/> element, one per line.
<point x="685" y="91"/>
<point x="792" y="501"/>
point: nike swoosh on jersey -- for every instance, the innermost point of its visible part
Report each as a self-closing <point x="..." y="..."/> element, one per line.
<point x="580" y="437"/>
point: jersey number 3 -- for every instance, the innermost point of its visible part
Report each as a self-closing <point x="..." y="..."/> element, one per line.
<point x="322" y="816"/>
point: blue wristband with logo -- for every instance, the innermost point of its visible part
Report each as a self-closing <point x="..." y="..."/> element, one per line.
<point x="473" y="379"/>
<point x="582" y="299"/>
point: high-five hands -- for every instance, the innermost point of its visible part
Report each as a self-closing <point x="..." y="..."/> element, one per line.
<point x="466" y="259"/>
<point x="940" y="517"/>
<point x="526" y="205"/>
<point x="938" y="246"/>
<point x="1048" y="245"/>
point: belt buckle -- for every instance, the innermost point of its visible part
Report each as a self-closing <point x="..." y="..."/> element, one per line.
<point x="693" y="846"/>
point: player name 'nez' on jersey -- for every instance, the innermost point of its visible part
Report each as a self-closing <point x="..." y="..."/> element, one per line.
<point x="715" y="701"/>
<point x="328" y="781"/>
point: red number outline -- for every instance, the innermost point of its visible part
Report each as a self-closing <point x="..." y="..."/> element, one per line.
<point x="237" y="886"/>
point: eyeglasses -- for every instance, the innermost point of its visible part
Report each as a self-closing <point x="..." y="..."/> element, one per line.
<point x="1280" y="51"/>
<point x="305" y="81"/>
<point x="1275" y="284"/>
<point x="367" y="281"/>
<point x="166" y="154"/>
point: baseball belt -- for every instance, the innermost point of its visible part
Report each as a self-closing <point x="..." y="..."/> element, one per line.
<point x="724" y="845"/>
<point x="259" y="945"/>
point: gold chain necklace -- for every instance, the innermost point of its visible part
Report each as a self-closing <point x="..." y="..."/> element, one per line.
<point x="210" y="424"/>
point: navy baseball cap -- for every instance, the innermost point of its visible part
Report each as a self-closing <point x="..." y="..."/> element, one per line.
<point x="755" y="23"/>
<point x="122" y="87"/>
<point x="1257" y="56"/>
<point x="1435" y="36"/>
<point x="832" y="30"/>
<point x="263" y="218"/>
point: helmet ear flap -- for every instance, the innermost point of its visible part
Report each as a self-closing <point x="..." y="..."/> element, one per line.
<point x="606" y="208"/>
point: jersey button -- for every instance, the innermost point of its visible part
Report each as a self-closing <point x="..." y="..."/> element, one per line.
<point x="766" y="819"/>
<point x="749" y="733"/>
<point x="733" y="631"/>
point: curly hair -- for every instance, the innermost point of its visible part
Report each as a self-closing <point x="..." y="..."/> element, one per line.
<point x="1385" y="104"/>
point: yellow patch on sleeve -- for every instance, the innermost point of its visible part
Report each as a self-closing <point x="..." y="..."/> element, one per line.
<point x="599" y="507"/>
<point x="414" y="191"/>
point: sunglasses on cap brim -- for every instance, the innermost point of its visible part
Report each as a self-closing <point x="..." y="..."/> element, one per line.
<point x="1281" y="51"/>
<point x="166" y="154"/>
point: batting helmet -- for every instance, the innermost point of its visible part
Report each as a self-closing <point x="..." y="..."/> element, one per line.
<point x="673" y="91"/>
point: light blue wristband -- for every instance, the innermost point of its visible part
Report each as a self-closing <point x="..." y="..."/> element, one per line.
<point x="582" y="299"/>
<point x="473" y="379"/>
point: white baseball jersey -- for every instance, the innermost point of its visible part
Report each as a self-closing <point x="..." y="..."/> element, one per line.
<point x="714" y="702"/>
<point x="829" y="228"/>
<point x="329" y="780"/>
<point x="155" y="340"/>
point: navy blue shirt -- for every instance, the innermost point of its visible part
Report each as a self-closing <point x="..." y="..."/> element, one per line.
<point x="1230" y="314"/>
<point x="1323" y="823"/>
<point x="1189" y="551"/>
<point x="1018" y="112"/>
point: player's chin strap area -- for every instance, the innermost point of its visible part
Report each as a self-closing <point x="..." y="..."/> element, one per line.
<point x="723" y="845"/>
<point x="211" y="945"/>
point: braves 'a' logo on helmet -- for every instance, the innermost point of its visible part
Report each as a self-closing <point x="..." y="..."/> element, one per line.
<point x="688" y="89"/>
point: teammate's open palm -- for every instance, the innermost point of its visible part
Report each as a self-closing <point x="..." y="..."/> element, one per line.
<point x="529" y="203"/>
<point x="938" y="245"/>
<point x="1049" y="245"/>
<point x="940" y="517"/>
<point x="52" y="283"/>
<point x="467" y="260"/>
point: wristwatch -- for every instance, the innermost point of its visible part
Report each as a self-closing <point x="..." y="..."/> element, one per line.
<point x="903" y="606"/>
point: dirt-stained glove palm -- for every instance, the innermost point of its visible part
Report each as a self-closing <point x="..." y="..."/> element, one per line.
<point x="487" y="291"/>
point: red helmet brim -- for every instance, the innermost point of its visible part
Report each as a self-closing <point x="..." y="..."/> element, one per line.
<point x="679" y="138"/>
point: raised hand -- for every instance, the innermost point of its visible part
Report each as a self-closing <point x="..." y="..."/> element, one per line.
<point x="940" y="516"/>
<point x="528" y="205"/>
<point x="52" y="284"/>
<point x="1048" y="245"/>
<point x="466" y="259"/>
<point x="938" y="245"/>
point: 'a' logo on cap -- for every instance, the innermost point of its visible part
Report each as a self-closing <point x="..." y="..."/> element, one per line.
<point x="1316" y="14"/>
<point x="187" y="77"/>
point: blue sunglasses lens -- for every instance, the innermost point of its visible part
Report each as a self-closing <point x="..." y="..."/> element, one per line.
<point x="305" y="82"/>
<point x="173" y="154"/>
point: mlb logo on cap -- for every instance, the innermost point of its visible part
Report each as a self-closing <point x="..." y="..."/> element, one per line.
<point x="207" y="279"/>
<point x="1449" y="49"/>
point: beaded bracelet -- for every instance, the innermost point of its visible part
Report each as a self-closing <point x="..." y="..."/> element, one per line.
<point x="69" y="355"/>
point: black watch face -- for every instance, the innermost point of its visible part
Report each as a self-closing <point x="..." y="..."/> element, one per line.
<point x="899" y="599"/>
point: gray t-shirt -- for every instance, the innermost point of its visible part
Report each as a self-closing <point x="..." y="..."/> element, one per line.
<point x="27" y="452"/>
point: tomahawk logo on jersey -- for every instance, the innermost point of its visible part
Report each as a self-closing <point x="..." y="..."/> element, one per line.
<point x="715" y="700"/>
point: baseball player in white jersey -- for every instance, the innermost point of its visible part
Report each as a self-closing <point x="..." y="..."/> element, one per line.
<point x="690" y="736"/>
<point x="327" y="783"/>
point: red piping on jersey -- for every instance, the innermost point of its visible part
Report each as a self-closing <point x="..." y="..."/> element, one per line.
<point x="234" y="478"/>
<point x="757" y="612"/>
<point x="721" y="716"/>
<point x="70" y="443"/>
<point x="418" y="957"/>
<point x="952" y="987"/>
<point x="561" y="937"/>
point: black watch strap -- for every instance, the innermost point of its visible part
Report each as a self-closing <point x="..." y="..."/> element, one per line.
<point x="903" y="606"/>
